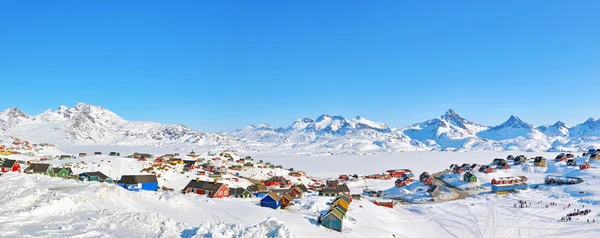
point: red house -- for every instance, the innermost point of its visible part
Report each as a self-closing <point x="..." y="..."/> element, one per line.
<point x="210" y="189"/>
<point x="384" y="204"/>
<point x="486" y="169"/>
<point x="142" y="159"/>
<point x="344" y="177"/>
<point x="10" y="165"/>
<point x="159" y="160"/>
<point x="403" y="181"/>
<point x="397" y="173"/>
<point x="584" y="166"/>
<point x="426" y="178"/>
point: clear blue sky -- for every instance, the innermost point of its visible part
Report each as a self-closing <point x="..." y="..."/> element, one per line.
<point x="221" y="65"/>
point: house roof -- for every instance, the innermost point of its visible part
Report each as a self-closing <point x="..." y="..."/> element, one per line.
<point x="433" y="188"/>
<point x="288" y="197"/>
<point x="302" y="187"/>
<point x="335" y="213"/>
<point x="95" y="174"/>
<point x="204" y="185"/>
<point x="280" y="191"/>
<point x="237" y="191"/>
<point x="339" y="189"/>
<point x="132" y="179"/>
<point x="345" y="198"/>
<point x="340" y="207"/>
<point x="57" y="170"/>
<point x="8" y="163"/>
<point x="38" y="168"/>
<point x="273" y="195"/>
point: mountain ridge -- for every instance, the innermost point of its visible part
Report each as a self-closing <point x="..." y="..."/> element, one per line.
<point x="91" y="124"/>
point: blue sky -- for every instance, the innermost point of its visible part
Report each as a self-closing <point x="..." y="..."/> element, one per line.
<point x="220" y="66"/>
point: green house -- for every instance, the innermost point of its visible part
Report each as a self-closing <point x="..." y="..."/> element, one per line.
<point x="340" y="209"/>
<point x="469" y="178"/>
<point x="239" y="193"/>
<point x="60" y="172"/>
<point x="95" y="176"/>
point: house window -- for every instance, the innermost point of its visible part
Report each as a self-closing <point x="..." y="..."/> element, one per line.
<point x="220" y="193"/>
<point x="225" y="192"/>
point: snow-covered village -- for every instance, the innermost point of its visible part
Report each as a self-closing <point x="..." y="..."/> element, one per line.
<point x="294" y="119"/>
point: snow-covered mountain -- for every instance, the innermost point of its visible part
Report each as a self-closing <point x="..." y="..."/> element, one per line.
<point x="89" y="124"/>
<point x="448" y="131"/>
<point x="557" y="129"/>
<point x="331" y="133"/>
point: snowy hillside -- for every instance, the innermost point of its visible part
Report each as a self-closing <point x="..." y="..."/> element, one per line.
<point x="89" y="124"/>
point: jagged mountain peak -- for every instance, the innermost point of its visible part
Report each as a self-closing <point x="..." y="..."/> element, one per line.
<point x="560" y="124"/>
<point x="307" y="120"/>
<point x="14" y="112"/>
<point x="514" y="122"/>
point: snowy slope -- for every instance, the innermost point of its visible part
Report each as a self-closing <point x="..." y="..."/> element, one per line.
<point x="89" y="124"/>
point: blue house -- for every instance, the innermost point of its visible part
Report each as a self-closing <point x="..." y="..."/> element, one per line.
<point x="271" y="200"/>
<point x="139" y="182"/>
<point x="333" y="219"/>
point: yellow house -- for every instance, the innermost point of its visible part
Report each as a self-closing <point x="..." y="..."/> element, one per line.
<point x="176" y="161"/>
<point x="341" y="202"/>
<point x="6" y="151"/>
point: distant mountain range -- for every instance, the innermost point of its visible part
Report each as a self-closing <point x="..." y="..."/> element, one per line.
<point x="90" y="124"/>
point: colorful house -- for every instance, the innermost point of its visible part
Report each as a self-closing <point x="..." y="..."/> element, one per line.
<point x="114" y="154"/>
<point x="60" y="172"/>
<point x="95" y="176"/>
<point x="469" y="178"/>
<point x="240" y="193"/>
<point x="257" y="188"/>
<point x="37" y="168"/>
<point x="340" y="209"/>
<point x="10" y="165"/>
<point x="434" y="191"/>
<point x="560" y="157"/>
<point x="486" y="169"/>
<point x="82" y="155"/>
<point x="139" y="182"/>
<point x="286" y="200"/>
<point x="426" y="178"/>
<point x="539" y="161"/>
<point x="332" y="220"/>
<point x="584" y="166"/>
<point x="398" y="173"/>
<point x="571" y="162"/>
<point x="332" y="192"/>
<point x="504" y="166"/>
<point x="271" y="200"/>
<point x="210" y="189"/>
